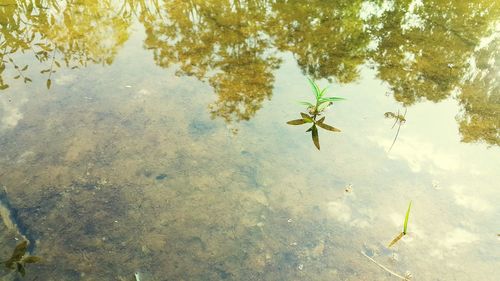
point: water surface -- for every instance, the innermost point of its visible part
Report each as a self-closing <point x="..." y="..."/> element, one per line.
<point x="151" y="137"/>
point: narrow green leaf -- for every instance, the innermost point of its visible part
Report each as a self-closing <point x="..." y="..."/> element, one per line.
<point x="405" y="226"/>
<point x="315" y="136"/>
<point x="296" y="122"/>
<point x="17" y="76"/>
<point x="4" y="86"/>
<point x="396" y="239"/>
<point x="315" y="88"/>
<point x="323" y="92"/>
<point x="26" y="79"/>
<point x="49" y="82"/>
<point x="306" y="103"/>
<point x="328" y="127"/>
<point x="310" y="129"/>
<point x="320" y="121"/>
<point x="24" y="68"/>
<point x="331" y="99"/>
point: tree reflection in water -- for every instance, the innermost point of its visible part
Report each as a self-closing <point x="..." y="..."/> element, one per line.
<point x="427" y="51"/>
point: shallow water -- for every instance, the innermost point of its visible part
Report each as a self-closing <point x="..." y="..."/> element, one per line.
<point x="160" y="146"/>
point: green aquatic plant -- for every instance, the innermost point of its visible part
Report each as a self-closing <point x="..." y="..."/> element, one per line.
<point x="405" y="227"/>
<point x="322" y="102"/>
<point x="314" y="111"/>
<point x="19" y="259"/>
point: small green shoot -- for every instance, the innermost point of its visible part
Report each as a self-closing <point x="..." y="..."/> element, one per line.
<point x="405" y="228"/>
<point x="322" y="102"/>
<point x="315" y="110"/>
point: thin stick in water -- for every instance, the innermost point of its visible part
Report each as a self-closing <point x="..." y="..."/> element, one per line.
<point x="383" y="267"/>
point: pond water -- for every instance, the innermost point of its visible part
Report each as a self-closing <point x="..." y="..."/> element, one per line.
<point x="150" y="137"/>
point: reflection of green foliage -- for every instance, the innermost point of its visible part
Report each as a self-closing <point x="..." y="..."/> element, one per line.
<point x="426" y="57"/>
<point x="18" y="259"/>
<point x="326" y="37"/>
<point x="480" y="99"/>
<point x="421" y="51"/>
<point x="222" y="43"/>
<point x="60" y="34"/>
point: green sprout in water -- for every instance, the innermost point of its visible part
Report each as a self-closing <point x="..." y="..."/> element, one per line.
<point x="18" y="259"/>
<point x="314" y="111"/>
<point x="405" y="228"/>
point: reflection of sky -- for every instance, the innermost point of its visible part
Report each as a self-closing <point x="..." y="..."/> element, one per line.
<point x="420" y="155"/>
<point x="473" y="202"/>
<point x="428" y="145"/>
<point x="10" y="113"/>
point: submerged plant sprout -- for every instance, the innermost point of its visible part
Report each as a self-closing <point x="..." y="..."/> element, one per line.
<point x="315" y="110"/>
<point x="19" y="259"/>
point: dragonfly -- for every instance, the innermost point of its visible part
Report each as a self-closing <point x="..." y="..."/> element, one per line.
<point x="398" y="118"/>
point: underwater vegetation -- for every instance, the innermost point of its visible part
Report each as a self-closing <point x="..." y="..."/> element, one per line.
<point x="316" y="110"/>
<point x="405" y="228"/>
<point x="19" y="259"/>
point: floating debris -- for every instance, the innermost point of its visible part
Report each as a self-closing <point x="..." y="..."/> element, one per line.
<point x="161" y="176"/>
<point x="407" y="276"/>
<point x="435" y="184"/>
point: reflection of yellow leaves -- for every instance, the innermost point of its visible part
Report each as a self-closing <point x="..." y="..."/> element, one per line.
<point x="224" y="47"/>
<point x="231" y="45"/>
<point x="81" y="32"/>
